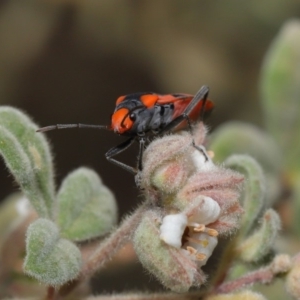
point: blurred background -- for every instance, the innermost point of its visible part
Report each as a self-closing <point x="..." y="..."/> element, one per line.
<point x="68" y="61"/>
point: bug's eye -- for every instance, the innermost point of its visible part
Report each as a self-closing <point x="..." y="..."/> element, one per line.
<point x="132" y="117"/>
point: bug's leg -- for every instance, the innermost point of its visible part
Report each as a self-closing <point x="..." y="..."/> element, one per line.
<point x="117" y="150"/>
<point x="200" y="149"/>
<point x="142" y="142"/>
<point x="201" y="95"/>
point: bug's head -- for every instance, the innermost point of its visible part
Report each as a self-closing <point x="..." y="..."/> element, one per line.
<point x="122" y="120"/>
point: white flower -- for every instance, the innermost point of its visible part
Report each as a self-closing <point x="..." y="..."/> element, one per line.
<point x="188" y="230"/>
<point x="172" y="229"/>
<point x="203" y="210"/>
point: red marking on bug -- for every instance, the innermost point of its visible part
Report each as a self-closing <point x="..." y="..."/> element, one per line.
<point x="180" y="105"/>
<point x="149" y="100"/>
<point x="120" y="99"/>
<point x="169" y="98"/>
<point x="120" y="121"/>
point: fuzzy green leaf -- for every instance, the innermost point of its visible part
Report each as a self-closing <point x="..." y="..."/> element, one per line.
<point x="49" y="258"/>
<point x="254" y="192"/>
<point x="281" y="92"/>
<point x="28" y="157"/>
<point x="280" y="98"/>
<point x="261" y="242"/>
<point x="19" y="165"/>
<point x="87" y="208"/>
<point x="242" y="138"/>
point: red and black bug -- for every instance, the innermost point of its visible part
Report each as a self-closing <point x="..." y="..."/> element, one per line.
<point x="142" y="115"/>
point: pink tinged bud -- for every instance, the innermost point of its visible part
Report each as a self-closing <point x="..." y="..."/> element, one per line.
<point x="282" y="263"/>
<point x="293" y="279"/>
<point x="223" y="186"/>
<point x="170" y="177"/>
<point x="217" y="178"/>
<point x="163" y="150"/>
<point x="228" y="222"/>
<point x="175" y="155"/>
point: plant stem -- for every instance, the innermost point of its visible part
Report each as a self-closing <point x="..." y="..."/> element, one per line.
<point x="50" y="293"/>
<point x="108" y="248"/>
<point x="264" y="275"/>
<point x="113" y="243"/>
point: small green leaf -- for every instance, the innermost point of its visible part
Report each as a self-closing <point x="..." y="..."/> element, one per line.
<point x="19" y="164"/>
<point x="254" y="192"/>
<point x="28" y="156"/>
<point x="280" y="99"/>
<point x="281" y="92"/>
<point x="49" y="258"/>
<point x="242" y="138"/>
<point x="87" y="208"/>
<point x="261" y="242"/>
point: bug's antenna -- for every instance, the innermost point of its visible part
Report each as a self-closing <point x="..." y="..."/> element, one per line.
<point x="67" y="126"/>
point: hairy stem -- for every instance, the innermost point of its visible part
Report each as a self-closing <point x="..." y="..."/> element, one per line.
<point x="226" y="263"/>
<point x="281" y="264"/>
<point x="264" y="275"/>
<point x="108" y="248"/>
<point x="113" y="243"/>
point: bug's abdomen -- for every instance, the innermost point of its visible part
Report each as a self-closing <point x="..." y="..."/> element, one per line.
<point x="152" y="119"/>
<point x="162" y="116"/>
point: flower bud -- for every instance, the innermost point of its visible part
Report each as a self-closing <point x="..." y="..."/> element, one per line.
<point x="293" y="278"/>
<point x="220" y="185"/>
<point x="170" y="156"/>
<point x="282" y="263"/>
<point x="168" y="178"/>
